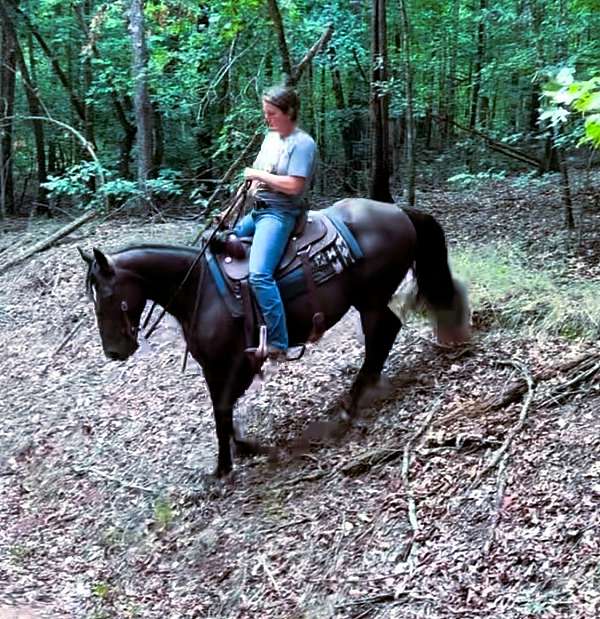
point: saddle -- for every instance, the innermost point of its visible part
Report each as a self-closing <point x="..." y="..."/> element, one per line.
<point x="320" y="247"/>
<point x="312" y="234"/>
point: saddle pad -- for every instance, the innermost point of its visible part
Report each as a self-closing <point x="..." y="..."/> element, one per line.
<point x="318" y="233"/>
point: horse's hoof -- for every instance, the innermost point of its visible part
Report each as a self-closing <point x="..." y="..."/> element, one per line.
<point x="247" y="449"/>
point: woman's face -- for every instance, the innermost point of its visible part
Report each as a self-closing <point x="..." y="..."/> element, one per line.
<point x="277" y="120"/>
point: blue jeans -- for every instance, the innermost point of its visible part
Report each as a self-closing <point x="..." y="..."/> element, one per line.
<point x="271" y="230"/>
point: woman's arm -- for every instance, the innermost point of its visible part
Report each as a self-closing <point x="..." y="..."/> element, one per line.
<point x="290" y="185"/>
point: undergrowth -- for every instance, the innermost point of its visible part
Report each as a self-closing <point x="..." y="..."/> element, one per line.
<point x="506" y="291"/>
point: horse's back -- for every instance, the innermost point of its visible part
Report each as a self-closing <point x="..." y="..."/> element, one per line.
<point x="377" y="225"/>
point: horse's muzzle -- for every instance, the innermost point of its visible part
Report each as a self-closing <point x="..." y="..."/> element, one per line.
<point x="120" y="355"/>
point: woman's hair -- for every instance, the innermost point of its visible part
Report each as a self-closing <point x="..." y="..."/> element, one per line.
<point x="284" y="98"/>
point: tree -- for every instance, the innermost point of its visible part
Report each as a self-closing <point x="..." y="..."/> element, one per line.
<point x="379" y="104"/>
<point x="142" y="104"/>
<point x="409" y="114"/>
<point x="7" y="107"/>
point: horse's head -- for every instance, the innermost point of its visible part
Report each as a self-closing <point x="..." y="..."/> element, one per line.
<point x="118" y="301"/>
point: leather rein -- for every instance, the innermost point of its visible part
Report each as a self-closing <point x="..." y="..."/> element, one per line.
<point x="237" y="202"/>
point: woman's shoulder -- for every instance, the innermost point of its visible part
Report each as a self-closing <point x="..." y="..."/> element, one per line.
<point x="302" y="137"/>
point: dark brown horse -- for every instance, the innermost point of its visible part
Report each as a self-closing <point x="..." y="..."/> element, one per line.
<point x="392" y="241"/>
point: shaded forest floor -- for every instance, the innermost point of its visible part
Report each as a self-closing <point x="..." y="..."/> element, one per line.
<point x="105" y="511"/>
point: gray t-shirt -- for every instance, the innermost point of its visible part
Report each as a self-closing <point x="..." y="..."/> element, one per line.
<point x="294" y="155"/>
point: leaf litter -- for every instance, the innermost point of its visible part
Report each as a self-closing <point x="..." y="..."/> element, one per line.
<point x="422" y="509"/>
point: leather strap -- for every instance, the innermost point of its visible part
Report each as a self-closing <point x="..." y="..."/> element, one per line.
<point x="318" y="318"/>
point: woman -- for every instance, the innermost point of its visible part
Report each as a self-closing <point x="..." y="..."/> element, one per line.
<point x="281" y="176"/>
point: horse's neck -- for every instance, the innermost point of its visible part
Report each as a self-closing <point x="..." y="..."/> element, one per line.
<point x="162" y="271"/>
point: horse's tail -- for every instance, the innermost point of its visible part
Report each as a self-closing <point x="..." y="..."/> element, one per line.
<point x="444" y="297"/>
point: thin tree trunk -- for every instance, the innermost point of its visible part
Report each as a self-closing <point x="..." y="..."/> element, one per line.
<point x="338" y="91"/>
<point x="410" y="118"/>
<point x="123" y="107"/>
<point x="7" y="108"/>
<point x="158" y="153"/>
<point x="286" y="63"/>
<point x="566" y="191"/>
<point x="476" y="89"/>
<point x="142" y="105"/>
<point x="380" y="155"/>
<point x="34" y="104"/>
<point x="76" y="102"/>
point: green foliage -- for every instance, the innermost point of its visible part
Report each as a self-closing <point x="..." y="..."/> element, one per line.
<point x="101" y="590"/>
<point x="466" y="180"/>
<point x="504" y="287"/>
<point x="566" y="95"/>
<point x="163" y="513"/>
<point x="77" y="183"/>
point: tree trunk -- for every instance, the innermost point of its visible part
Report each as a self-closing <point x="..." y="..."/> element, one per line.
<point x="34" y="104"/>
<point x="123" y="107"/>
<point x="338" y="91"/>
<point x="410" y="118"/>
<point x="566" y="192"/>
<point x="286" y="63"/>
<point x="476" y="88"/>
<point x="158" y="154"/>
<point x="7" y="103"/>
<point x="380" y="155"/>
<point x="142" y="105"/>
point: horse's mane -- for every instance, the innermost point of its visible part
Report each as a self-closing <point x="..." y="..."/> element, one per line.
<point x="186" y="249"/>
<point x="156" y="247"/>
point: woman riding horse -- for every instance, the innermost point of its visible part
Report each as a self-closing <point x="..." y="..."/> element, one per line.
<point x="280" y="178"/>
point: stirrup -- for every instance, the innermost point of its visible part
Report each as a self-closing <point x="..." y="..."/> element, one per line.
<point x="258" y="354"/>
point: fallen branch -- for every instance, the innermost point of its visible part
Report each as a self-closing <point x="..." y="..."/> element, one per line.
<point x="502" y="456"/>
<point x="516" y="428"/>
<point x="500" y="489"/>
<point x="48" y="241"/>
<point x="65" y="341"/>
<point x="406" y="462"/>
<point x="102" y="475"/>
<point x="561" y="391"/>
<point x="516" y="390"/>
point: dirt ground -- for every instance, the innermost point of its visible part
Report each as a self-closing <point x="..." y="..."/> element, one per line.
<point x="464" y="491"/>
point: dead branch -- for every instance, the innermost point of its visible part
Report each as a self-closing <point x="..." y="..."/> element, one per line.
<point x="121" y="482"/>
<point x="49" y="241"/>
<point x="505" y="448"/>
<point x="312" y="52"/>
<point x="65" y="341"/>
<point x="500" y="489"/>
<point x="406" y="462"/>
<point x="561" y="391"/>
<point x="517" y="389"/>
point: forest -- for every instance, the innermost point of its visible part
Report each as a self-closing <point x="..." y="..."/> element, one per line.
<point x="469" y="481"/>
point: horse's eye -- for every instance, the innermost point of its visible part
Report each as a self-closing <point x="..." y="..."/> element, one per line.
<point x="124" y="306"/>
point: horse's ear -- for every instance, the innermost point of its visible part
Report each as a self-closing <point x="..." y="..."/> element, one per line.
<point x="85" y="255"/>
<point x="104" y="262"/>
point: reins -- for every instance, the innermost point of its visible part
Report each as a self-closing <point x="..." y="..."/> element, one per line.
<point x="237" y="202"/>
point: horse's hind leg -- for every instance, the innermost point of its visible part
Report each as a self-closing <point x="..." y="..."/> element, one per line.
<point x="380" y="328"/>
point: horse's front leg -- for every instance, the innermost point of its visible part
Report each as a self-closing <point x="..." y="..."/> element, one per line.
<point x="224" y="427"/>
<point x="226" y="383"/>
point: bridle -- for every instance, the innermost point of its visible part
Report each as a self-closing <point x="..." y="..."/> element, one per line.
<point x="131" y="330"/>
